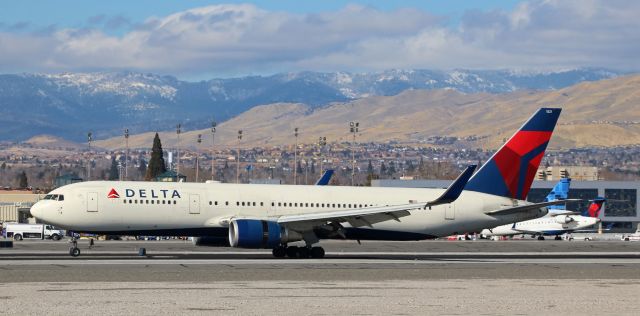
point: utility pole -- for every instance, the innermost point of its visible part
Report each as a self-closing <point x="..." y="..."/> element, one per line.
<point x="322" y="141"/>
<point x="89" y="139"/>
<point x="213" y="159"/>
<point x="126" y="154"/>
<point x="353" y="128"/>
<point x="295" y="158"/>
<point x="198" y="156"/>
<point x="238" y="160"/>
<point x="178" y="151"/>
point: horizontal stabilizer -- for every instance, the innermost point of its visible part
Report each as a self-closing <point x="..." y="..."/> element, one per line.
<point x="528" y="207"/>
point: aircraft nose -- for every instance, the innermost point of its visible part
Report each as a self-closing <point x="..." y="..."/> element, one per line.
<point x="37" y="210"/>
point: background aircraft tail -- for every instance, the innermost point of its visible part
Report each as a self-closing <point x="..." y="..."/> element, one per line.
<point x="510" y="171"/>
<point x="594" y="208"/>
<point x="559" y="192"/>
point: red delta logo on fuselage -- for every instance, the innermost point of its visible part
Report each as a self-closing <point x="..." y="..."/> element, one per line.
<point x="152" y="193"/>
<point x="113" y="194"/>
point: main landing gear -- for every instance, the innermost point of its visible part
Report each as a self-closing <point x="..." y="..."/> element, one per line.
<point x="298" y="252"/>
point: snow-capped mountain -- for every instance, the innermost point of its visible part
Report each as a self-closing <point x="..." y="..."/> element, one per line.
<point x="71" y="104"/>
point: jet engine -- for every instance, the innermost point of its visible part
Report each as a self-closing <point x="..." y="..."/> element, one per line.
<point x="254" y="233"/>
<point x="564" y="219"/>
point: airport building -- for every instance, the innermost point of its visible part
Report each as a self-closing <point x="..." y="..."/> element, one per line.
<point x="621" y="212"/>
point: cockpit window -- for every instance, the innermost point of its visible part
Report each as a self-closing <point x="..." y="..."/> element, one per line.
<point x="55" y="197"/>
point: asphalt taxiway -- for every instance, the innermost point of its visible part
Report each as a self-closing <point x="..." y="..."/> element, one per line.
<point x="376" y="278"/>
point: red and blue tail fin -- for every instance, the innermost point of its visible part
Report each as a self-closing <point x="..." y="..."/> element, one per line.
<point x="594" y="208"/>
<point x="511" y="170"/>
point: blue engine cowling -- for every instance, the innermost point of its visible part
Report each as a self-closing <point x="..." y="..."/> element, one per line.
<point x="255" y="233"/>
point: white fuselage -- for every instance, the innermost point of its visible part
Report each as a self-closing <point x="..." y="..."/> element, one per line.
<point x="549" y="225"/>
<point x="157" y="206"/>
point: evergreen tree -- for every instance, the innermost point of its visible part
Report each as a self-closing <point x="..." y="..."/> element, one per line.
<point x="299" y="167"/>
<point x="392" y="168"/>
<point x="313" y="167"/>
<point x="383" y="169"/>
<point x="142" y="166"/>
<point x="370" y="168"/>
<point x="114" y="174"/>
<point x="156" y="163"/>
<point x="23" y="182"/>
<point x="4" y="166"/>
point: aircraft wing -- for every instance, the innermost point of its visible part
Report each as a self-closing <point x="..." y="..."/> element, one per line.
<point x="528" y="207"/>
<point x="358" y="217"/>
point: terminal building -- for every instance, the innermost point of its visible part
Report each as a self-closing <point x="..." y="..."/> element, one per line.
<point x="620" y="214"/>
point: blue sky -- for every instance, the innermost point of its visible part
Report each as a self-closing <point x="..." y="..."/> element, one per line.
<point x="203" y="39"/>
<point x="75" y="13"/>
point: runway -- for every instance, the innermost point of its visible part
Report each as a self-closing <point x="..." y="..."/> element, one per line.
<point x="375" y="278"/>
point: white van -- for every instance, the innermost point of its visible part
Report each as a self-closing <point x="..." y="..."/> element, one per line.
<point x="18" y="231"/>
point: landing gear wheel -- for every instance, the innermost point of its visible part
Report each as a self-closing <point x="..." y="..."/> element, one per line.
<point x="317" y="252"/>
<point x="303" y="252"/>
<point x="540" y="237"/>
<point x="292" y="252"/>
<point x="557" y="238"/>
<point x="279" y="252"/>
<point x="74" y="251"/>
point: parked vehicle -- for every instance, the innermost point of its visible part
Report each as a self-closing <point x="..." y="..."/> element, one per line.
<point x="19" y="231"/>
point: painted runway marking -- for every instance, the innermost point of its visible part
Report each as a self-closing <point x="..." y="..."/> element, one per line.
<point x="328" y="261"/>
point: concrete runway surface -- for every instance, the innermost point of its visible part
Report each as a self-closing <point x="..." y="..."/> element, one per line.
<point x="375" y="278"/>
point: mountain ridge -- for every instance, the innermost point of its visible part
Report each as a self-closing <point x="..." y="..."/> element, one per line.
<point x="69" y="105"/>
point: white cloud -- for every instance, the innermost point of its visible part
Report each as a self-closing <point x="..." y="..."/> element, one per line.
<point x="239" y="39"/>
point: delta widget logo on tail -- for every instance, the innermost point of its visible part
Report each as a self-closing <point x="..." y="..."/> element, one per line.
<point x="113" y="194"/>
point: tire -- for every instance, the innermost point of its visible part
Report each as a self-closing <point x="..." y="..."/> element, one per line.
<point x="303" y="252"/>
<point x="17" y="237"/>
<point x="317" y="252"/>
<point x="279" y="252"/>
<point x="56" y="237"/>
<point x="292" y="252"/>
<point x="74" y="252"/>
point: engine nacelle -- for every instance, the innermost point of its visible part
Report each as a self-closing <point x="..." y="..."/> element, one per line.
<point x="255" y="233"/>
<point x="564" y="219"/>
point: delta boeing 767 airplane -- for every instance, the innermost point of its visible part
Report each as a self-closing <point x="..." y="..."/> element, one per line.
<point x="273" y="216"/>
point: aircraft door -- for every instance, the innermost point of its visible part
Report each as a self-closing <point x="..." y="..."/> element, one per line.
<point x="92" y="202"/>
<point x="194" y="204"/>
<point x="450" y="211"/>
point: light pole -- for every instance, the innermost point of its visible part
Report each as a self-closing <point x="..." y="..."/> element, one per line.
<point x="322" y="141"/>
<point x="198" y="156"/>
<point x="89" y="139"/>
<point x="178" y="151"/>
<point x="126" y="154"/>
<point x="213" y="159"/>
<point x="295" y="157"/>
<point x="353" y="128"/>
<point x="238" y="160"/>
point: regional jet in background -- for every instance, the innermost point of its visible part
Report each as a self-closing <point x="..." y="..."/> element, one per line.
<point x="275" y="216"/>
<point x="559" y="221"/>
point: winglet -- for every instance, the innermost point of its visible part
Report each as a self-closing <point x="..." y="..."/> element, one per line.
<point x="326" y="177"/>
<point x="455" y="189"/>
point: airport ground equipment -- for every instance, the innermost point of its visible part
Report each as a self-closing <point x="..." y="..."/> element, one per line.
<point x="19" y="231"/>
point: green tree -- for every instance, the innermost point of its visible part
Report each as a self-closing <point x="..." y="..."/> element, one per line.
<point x="370" y="168"/>
<point x="156" y="164"/>
<point x="114" y="174"/>
<point x="23" y="182"/>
